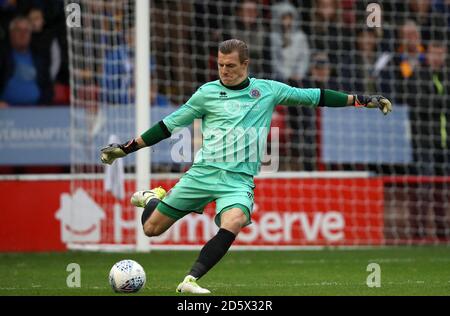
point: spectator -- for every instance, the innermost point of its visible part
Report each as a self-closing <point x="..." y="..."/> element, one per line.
<point x="118" y="70"/>
<point x="156" y="98"/>
<point x="9" y="9"/>
<point x="118" y="75"/>
<point x="365" y="63"/>
<point x="210" y="20"/>
<point x="248" y="26"/>
<point x="411" y="56"/>
<point x="49" y="41"/>
<point x="399" y="78"/>
<point x="390" y="19"/>
<point x="429" y="114"/>
<point x="327" y="31"/>
<point x="321" y="73"/>
<point x="429" y="119"/>
<point x="172" y="21"/>
<point x="24" y="79"/>
<point x="444" y="7"/>
<point x="41" y="38"/>
<point x="302" y="120"/>
<point x="429" y="21"/>
<point x="289" y="45"/>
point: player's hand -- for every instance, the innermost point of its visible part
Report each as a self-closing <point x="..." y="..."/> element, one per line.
<point x="114" y="151"/>
<point x="374" y="101"/>
<point x="111" y="152"/>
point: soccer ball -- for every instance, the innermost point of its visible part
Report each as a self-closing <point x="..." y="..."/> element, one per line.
<point x="127" y="276"/>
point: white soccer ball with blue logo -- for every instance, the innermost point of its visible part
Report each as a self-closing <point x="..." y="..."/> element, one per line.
<point x="127" y="276"/>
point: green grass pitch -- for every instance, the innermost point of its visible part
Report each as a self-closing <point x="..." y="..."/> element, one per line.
<point x="421" y="270"/>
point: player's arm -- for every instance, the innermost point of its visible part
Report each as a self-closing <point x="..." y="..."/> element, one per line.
<point x="337" y="99"/>
<point x="287" y="95"/>
<point x="182" y="117"/>
<point x="152" y="136"/>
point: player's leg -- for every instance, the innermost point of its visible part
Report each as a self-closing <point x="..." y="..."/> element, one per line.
<point x="233" y="195"/>
<point x="233" y="212"/>
<point x="162" y="210"/>
<point x="154" y="222"/>
<point x="157" y="224"/>
<point x="232" y="220"/>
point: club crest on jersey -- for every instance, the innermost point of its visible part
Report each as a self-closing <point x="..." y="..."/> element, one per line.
<point x="255" y="93"/>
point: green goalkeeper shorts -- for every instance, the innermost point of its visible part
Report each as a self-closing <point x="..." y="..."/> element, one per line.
<point x="204" y="184"/>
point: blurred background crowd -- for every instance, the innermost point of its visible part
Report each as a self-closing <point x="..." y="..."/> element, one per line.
<point x="305" y="43"/>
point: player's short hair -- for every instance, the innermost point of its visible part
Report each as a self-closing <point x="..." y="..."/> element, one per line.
<point x="231" y="45"/>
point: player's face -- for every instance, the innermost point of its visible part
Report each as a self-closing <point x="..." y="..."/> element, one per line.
<point x="231" y="70"/>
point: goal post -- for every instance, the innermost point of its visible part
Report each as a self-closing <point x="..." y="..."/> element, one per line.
<point x="109" y="61"/>
<point x="142" y="107"/>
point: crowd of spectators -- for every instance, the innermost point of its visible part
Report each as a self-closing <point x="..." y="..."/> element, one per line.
<point x="328" y="44"/>
<point x="305" y="43"/>
<point x="33" y="53"/>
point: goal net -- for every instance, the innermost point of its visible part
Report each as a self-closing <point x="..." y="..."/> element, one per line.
<point x="333" y="176"/>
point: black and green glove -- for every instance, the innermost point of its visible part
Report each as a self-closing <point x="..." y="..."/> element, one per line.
<point x="374" y="101"/>
<point x="113" y="151"/>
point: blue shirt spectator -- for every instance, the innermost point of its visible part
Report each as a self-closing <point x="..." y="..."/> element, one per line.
<point x="118" y="76"/>
<point x="24" y="79"/>
<point x="118" y="72"/>
<point x="160" y="100"/>
<point x="156" y="98"/>
<point x="22" y="88"/>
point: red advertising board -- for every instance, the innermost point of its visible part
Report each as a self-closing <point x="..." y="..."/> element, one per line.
<point x="288" y="212"/>
<point x="27" y="217"/>
<point x="299" y="212"/>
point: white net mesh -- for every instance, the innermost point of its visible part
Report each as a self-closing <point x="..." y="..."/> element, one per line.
<point x="102" y="82"/>
<point x="346" y="176"/>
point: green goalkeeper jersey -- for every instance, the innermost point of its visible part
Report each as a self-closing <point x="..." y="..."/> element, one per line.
<point x="235" y="123"/>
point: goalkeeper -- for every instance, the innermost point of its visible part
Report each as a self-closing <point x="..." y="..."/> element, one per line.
<point x="235" y="102"/>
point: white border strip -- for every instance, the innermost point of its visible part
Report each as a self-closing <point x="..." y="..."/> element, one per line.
<point x="90" y="176"/>
<point x="237" y="248"/>
<point x="102" y="247"/>
<point x="131" y="248"/>
<point x="314" y="174"/>
<point x="174" y="176"/>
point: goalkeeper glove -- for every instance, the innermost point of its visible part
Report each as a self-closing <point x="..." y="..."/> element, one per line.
<point x="114" y="151"/>
<point x="374" y="101"/>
